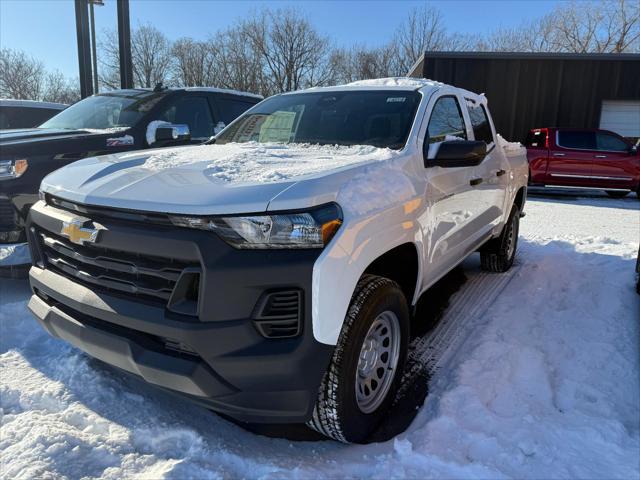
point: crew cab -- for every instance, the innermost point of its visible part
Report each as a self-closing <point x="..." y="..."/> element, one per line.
<point x="104" y="124"/>
<point x="585" y="159"/>
<point x="271" y="275"/>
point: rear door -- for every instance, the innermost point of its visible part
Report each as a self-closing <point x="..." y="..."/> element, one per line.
<point x="492" y="172"/>
<point x="612" y="162"/>
<point x="571" y="158"/>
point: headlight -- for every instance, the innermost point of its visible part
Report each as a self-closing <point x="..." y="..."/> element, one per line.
<point x="12" y="168"/>
<point x="309" y="229"/>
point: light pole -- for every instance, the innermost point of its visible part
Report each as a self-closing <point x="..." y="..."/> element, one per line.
<point x="99" y="3"/>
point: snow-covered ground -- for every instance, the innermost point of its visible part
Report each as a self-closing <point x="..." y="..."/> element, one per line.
<point x="546" y="383"/>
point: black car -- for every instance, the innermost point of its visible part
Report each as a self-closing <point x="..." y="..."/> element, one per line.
<point x="111" y="122"/>
<point x="27" y="113"/>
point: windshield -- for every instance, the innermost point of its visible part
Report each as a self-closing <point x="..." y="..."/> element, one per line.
<point x="107" y="110"/>
<point x="378" y="118"/>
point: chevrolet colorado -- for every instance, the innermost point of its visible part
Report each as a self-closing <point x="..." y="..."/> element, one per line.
<point x="108" y="123"/>
<point x="270" y="276"/>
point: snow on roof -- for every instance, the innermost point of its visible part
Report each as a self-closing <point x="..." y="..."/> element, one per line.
<point x="413" y="83"/>
<point x="8" y="102"/>
<point x="223" y="90"/>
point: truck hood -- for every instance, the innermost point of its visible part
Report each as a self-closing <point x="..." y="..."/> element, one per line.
<point x="205" y="179"/>
<point x="21" y="136"/>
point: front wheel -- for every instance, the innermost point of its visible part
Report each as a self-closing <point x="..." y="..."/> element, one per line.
<point x="497" y="255"/>
<point x="364" y="374"/>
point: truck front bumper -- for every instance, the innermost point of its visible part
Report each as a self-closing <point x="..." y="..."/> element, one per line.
<point x="217" y="357"/>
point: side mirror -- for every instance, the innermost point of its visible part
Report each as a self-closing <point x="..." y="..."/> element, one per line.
<point x="633" y="150"/>
<point x="457" y="153"/>
<point x="167" y="133"/>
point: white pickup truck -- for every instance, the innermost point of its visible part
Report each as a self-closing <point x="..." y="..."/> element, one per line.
<point x="271" y="276"/>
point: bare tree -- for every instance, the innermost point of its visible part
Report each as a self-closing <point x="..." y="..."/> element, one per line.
<point x="293" y="53"/>
<point x="422" y="30"/>
<point x="150" y="56"/>
<point x="237" y="65"/>
<point x="21" y="76"/>
<point x="193" y="63"/>
<point x="60" y="89"/>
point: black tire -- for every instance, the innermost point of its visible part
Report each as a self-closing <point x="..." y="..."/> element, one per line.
<point x="497" y="255"/>
<point x="616" y="193"/>
<point x="337" y="413"/>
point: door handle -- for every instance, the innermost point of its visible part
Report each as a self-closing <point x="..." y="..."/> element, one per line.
<point x="499" y="173"/>
<point x="475" y="181"/>
<point x="558" y="154"/>
<point x="601" y="156"/>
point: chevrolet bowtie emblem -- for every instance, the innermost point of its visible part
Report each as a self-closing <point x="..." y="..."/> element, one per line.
<point x="78" y="234"/>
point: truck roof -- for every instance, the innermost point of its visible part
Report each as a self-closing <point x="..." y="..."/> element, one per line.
<point x="8" y="102"/>
<point x="192" y="89"/>
<point x="395" y="84"/>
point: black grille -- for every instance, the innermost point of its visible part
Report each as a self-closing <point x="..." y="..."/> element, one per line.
<point x="7" y="215"/>
<point x="125" y="273"/>
<point x="279" y="314"/>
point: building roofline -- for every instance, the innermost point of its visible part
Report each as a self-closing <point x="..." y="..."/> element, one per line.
<point x="535" y="55"/>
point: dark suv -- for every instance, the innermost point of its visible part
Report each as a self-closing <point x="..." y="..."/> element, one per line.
<point x="110" y="122"/>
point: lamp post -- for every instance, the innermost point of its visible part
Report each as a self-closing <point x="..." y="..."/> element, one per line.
<point x="94" y="58"/>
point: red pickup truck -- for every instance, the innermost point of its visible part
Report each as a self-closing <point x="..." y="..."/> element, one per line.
<point x="579" y="158"/>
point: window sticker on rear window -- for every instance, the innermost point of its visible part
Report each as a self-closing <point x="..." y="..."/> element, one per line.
<point x="396" y="99"/>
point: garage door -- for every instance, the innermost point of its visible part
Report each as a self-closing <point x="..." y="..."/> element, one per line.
<point x="621" y="116"/>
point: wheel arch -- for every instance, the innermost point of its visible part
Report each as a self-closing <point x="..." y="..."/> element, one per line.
<point x="400" y="264"/>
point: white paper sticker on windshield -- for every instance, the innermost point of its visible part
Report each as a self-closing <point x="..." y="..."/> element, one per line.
<point x="396" y="99"/>
<point x="278" y="127"/>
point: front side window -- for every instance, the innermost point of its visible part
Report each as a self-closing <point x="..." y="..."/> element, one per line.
<point x="108" y="110"/>
<point x="191" y="111"/>
<point x="577" y="139"/>
<point x="480" y="123"/>
<point x="231" y="109"/>
<point x="446" y="121"/>
<point x="610" y="143"/>
<point x="378" y="118"/>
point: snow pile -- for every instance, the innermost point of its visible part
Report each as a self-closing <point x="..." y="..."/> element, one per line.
<point x="511" y="148"/>
<point x="396" y="82"/>
<point x="264" y="162"/>
<point x="546" y="386"/>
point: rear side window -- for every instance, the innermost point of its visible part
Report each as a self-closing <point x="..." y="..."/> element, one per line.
<point x="230" y="109"/>
<point x="193" y="111"/>
<point x="577" y="139"/>
<point x="480" y="123"/>
<point x="610" y="143"/>
<point x="446" y="120"/>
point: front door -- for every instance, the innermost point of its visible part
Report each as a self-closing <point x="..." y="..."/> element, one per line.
<point x="612" y="165"/>
<point x="450" y="194"/>
<point x="571" y="159"/>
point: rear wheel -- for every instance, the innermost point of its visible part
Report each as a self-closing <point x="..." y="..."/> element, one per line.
<point x="364" y="374"/>
<point x="497" y="255"/>
<point x="616" y="193"/>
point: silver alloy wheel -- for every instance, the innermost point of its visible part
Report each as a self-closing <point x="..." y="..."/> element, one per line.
<point x="512" y="237"/>
<point x="378" y="361"/>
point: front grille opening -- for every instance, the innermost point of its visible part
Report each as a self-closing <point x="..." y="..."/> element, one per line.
<point x="279" y="314"/>
<point x="145" y="277"/>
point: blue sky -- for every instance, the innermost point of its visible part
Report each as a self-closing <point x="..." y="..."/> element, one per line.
<point x="46" y="28"/>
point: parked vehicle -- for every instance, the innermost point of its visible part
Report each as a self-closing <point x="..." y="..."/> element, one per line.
<point x="108" y="123"/>
<point x="26" y="113"/>
<point x="586" y="159"/>
<point x="271" y="276"/>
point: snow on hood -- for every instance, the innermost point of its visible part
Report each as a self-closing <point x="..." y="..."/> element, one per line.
<point x="267" y="162"/>
<point x="204" y="179"/>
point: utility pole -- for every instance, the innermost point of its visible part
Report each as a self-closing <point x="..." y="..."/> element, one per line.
<point x="84" y="50"/>
<point x="124" y="45"/>
<point x="93" y="42"/>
